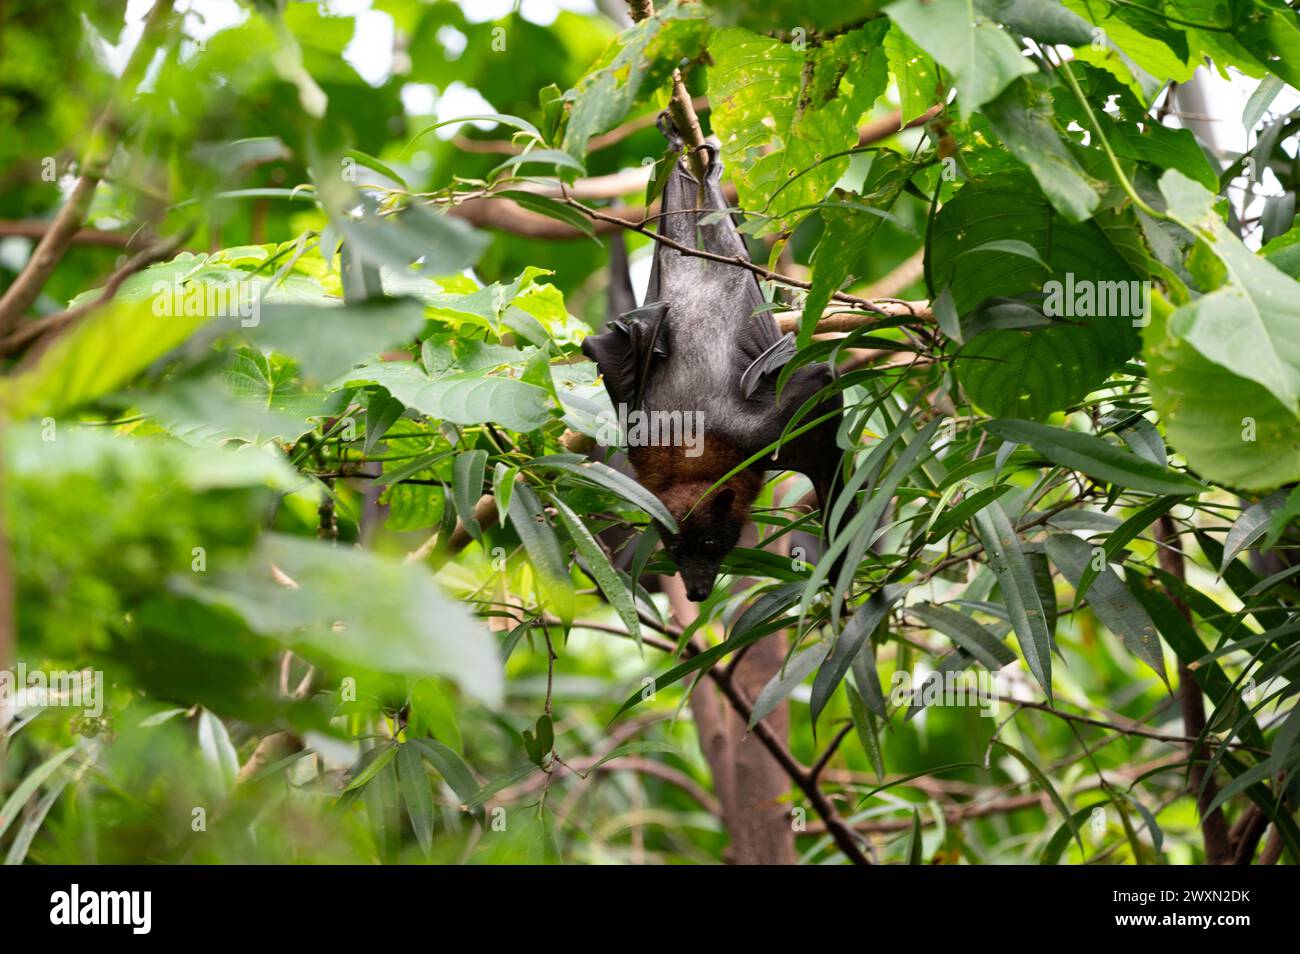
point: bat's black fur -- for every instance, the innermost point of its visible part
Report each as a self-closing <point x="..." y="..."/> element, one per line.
<point x="701" y="343"/>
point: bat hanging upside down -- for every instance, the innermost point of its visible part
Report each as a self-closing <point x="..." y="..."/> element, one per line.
<point x="702" y="349"/>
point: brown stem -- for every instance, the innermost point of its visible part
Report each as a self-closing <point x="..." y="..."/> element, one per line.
<point x="1214" y="827"/>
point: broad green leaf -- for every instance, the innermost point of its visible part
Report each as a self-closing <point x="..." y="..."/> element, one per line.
<point x="1024" y="120"/>
<point x="785" y="113"/>
<point x="983" y="59"/>
<point x="1230" y="429"/>
<point x="636" y="64"/>
<point x="399" y="621"/>
<point x="327" y="341"/>
<point x="460" y="398"/>
<point x="100" y="353"/>
<point x="1043" y="20"/>
<point x="914" y="73"/>
<point x="1250" y="325"/>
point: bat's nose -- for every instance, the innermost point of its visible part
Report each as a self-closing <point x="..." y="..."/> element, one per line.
<point x="698" y="594"/>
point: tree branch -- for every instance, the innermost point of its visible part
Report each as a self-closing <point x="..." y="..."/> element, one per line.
<point x="1214" y="827"/>
<point x="19" y="297"/>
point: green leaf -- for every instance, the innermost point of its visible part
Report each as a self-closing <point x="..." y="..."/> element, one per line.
<point x="398" y="622"/>
<point x="13" y="806"/>
<point x="326" y="341"/>
<point x="850" y="226"/>
<point x="467" y="486"/>
<point x="619" y="484"/>
<point x="27" y="831"/>
<point x="1121" y="536"/>
<point x="983" y="59"/>
<point x="100" y="352"/>
<point x="1043" y="782"/>
<point x="543" y="549"/>
<point x="1230" y="429"/>
<point x="1251" y="325"/>
<point x="1019" y="592"/>
<point x="606" y="577"/>
<point x="786" y="113"/>
<point x="551" y="208"/>
<point x="849" y="643"/>
<point x="503" y="119"/>
<point x="1056" y="845"/>
<point x="387" y="753"/>
<point x="780" y="686"/>
<point x="1095" y="457"/>
<point x="637" y="63"/>
<point x="1024" y="119"/>
<point x="914" y="73"/>
<point x="1044" y="20"/>
<point x="550" y="157"/>
<point x="459" y="398"/>
<point x="413" y="782"/>
<point x="217" y="750"/>
<point x="1111" y="601"/>
<point x="864" y="723"/>
<point x="1017" y="372"/>
<point x="1250" y="526"/>
<point x="975" y="638"/>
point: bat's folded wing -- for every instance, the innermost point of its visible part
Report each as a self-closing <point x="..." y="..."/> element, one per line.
<point x="625" y="352"/>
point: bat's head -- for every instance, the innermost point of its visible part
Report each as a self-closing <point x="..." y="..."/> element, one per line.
<point x="706" y="534"/>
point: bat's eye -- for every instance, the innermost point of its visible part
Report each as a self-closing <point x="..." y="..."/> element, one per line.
<point x="710" y="544"/>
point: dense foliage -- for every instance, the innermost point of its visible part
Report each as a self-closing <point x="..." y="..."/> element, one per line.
<point x="299" y="439"/>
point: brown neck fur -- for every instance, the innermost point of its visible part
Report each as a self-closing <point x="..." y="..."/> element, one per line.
<point x="680" y="481"/>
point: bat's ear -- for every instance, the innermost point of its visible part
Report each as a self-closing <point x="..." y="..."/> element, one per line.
<point x="725" y="498"/>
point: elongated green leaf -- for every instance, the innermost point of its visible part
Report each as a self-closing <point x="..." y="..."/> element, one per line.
<point x="375" y="766"/>
<point x="849" y="643"/>
<point x="543" y="549"/>
<point x="602" y="571"/>
<point x="27" y="831"/>
<point x="413" y="782"/>
<point x="1043" y="782"/>
<point x="1120" y="538"/>
<point x="1108" y="597"/>
<point x="785" y="682"/>
<point x="975" y="638"/>
<point x="1250" y="526"/>
<point x="13" y="806"/>
<point x="621" y="485"/>
<point x="1094" y="457"/>
<point x="451" y="767"/>
<point x="467" y="486"/>
<point x="1024" y="606"/>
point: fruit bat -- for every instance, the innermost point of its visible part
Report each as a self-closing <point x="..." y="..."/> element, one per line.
<point x="704" y="349"/>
